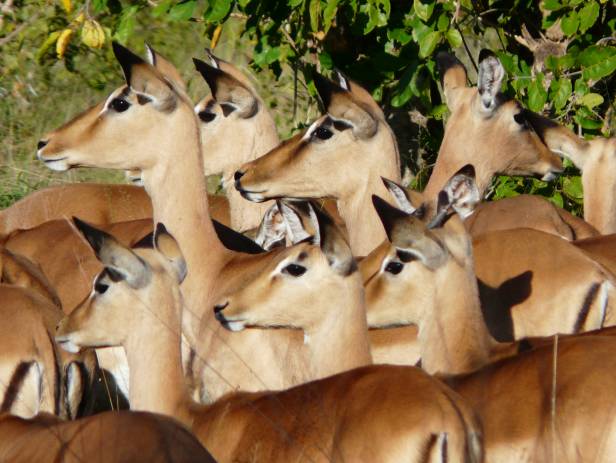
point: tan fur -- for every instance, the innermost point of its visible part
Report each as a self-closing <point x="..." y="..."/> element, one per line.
<point x="513" y="396"/>
<point x="111" y="437"/>
<point x="319" y="421"/>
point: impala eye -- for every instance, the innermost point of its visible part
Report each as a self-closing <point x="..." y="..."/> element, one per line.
<point x="99" y="286"/>
<point x="394" y="267"/>
<point x="520" y="119"/>
<point x="323" y="133"/>
<point x="119" y="105"/>
<point x="294" y="270"/>
<point x="206" y="116"/>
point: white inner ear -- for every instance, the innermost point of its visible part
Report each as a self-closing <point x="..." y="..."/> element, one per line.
<point x="293" y="223"/>
<point x="399" y="195"/>
<point x="342" y="81"/>
<point x="491" y="75"/>
<point x="151" y="57"/>
<point x="464" y="195"/>
<point x="270" y="232"/>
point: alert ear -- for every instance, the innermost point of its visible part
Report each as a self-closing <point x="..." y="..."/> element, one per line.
<point x="342" y="105"/>
<point x="231" y="94"/>
<point x="272" y="229"/>
<point x="400" y="195"/>
<point x="165" y="67"/>
<point x="122" y="263"/>
<point x="453" y="77"/>
<point x="489" y="81"/>
<point x="145" y="80"/>
<point x="166" y="244"/>
<point x="296" y="216"/>
<point x="460" y="194"/>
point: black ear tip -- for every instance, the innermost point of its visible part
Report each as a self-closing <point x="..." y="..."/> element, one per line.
<point x="468" y="170"/>
<point x="379" y="203"/>
<point x="198" y="63"/>
<point x="485" y="53"/>
<point x="325" y="88"/>
<point x="161" y="229"/>
<point x="81" y="225"/>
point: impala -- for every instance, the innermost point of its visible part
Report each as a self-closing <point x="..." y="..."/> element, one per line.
<point x="548" y="403"/>
<point x="111" y="437"/>
<point x="351" y="143"/>
<point x="317" y="421"/>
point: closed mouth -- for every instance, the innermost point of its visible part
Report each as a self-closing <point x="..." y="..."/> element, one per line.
<point x="231" y="325"/>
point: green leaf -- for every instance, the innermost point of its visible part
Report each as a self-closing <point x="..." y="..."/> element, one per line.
<point x="399" y="35"/>
<point x="161" y="8"/>
<point x="581" y="87"/>
<point x="557" y="199"/>
<point x="422" y="10"/>
<point x="378" y="14"/>
<point x="98" y="5"/>
<point x="595" y="54"/>
<point x="537" y="95"/>
<point x="217" y="10"/>
<point x="182" y="11"/>
<point x="315" y="10"/>
<point x="569" y="24"/>
<point x="590" y="100"/>
<point x="326" y="60"/>
<point x="600" y="70"/>
<point x="552" y="5"/>
<point x="454" y="38"/>
<point x="126" y="24"/>
<point x="572" y="187"/>
<point x="562" y="91"/>
<point x="428" y="43"/>
<point x="588" y="15"/>
<point x="443" y="22"/>
<point x="329" y="13"/>
<point x="294" y="3"/>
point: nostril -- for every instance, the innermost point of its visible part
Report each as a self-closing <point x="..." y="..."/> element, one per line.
<point x="220" y="307"/>
<point x="41" y="144"/>
<point x="238" y="174"/>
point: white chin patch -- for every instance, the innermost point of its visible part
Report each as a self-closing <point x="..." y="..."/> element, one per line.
<point x="59" y="165"/>
<point x="236" y="326"/>
<point x="548" y="177"/>
<point x="68" y="346"/>
<point x="254" y="197"/>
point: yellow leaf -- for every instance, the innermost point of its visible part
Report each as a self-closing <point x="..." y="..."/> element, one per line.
<point x="67" y="5"/>
<point x="63" y="41"/>
<point x="216" y="36"/>
<point x="80" y="18"/>
<point x="92" y="34"/>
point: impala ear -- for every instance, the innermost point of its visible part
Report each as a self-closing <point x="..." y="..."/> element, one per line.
<point x="296" y="217"/>
<point x="166" y="244"/>
<point x="453" y="77"/>
<point x="489" y="80"/>
<point x="165" y="67"/>
<point x="272" y="229"/>
<point x="231" y="94"/>
<point x="460" y="194"/>
<point x="332" y="243"/>
<point x="409" y="234"/>
<point x="400" y="195"/>
<point x="341" y="104"/>
<point x="122" y="263"/>
<point x="145" y="79"/>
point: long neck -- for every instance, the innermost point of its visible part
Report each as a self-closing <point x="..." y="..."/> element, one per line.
<point x="599" y="183"/>
<point x="340" y="341"/>
<point x="157" y="382"/>
<point x="363" y="224"/>
<point x="262" y="134"/>
<point x="453" y="336"/>
<point x="177" y="188"/>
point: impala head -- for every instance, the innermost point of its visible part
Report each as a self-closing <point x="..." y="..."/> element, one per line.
<point x="297" y="286"/>
<point x="119" y="132"/>
<point x="352" y="139"/>
<point x="134" y="289"/>
<point x="496" y="134"/>
<point x="233" y="113"/>
<point x="423" y="246"/>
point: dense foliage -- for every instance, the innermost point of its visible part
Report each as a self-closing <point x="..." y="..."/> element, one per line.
<point x="560" y="55"/>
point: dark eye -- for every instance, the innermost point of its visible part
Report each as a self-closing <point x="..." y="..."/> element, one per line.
<point x="294" y="270"/>
<point x="520" y="119"/>
<point x="207" y="116"/>
<point x="119" y="105"/>
<point x="323" y="133"/>
<point x="99" y="286"/>
<point x="394" y="267"/>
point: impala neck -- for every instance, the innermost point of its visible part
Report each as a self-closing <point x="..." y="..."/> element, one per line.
<point x="157" y="382"/>
<point x="599" y="185"/>
<point x="245" y="215"/>
<point x="340" y="341"/>
<point x="363" y="224"/>
<point x="177" y="188"/>
<point x="453" y="336"/>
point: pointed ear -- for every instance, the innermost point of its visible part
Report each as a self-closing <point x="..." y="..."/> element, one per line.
<point x="166" y="244"/>
<point x="400" y="195"/>
<point x="453" y="77"/>
<point x="272" y="229"/>
<point x="388" y="214"/>
<point x="124" y="263"/>
<point x="333" y="244"/>
<point x="489" y="80"/>
<point x="165" y="67"/>
<point x="231" y="94"/>
<point x="460" y="194"/>
<point x="146" y="80"/>
<point x="342" y="105"/>
<point x="295" y="216"/>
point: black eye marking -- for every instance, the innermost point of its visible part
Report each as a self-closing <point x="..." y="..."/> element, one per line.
<point x="114" y="275"/>
<point x="323" y="133"/>
<point x="341" y="125"/>
<point x="206" y="116"/>
<point x="142" y="99"/>
<point x="119" y="105"/>
<point x="405" y="256"/>
<point x="294" y="270"/>
<point x="394" y="267"/>
<point x="99" y="286"/>
<point x="520" y="119"/>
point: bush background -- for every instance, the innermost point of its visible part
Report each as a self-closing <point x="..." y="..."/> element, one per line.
<point x="560" y="56"/>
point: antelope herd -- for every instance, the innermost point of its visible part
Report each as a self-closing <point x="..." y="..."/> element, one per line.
<point x="320" y="311"/>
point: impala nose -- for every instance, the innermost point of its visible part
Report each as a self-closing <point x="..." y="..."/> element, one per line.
<point x="41" y="144"/>
<point x="238" y="174"/>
